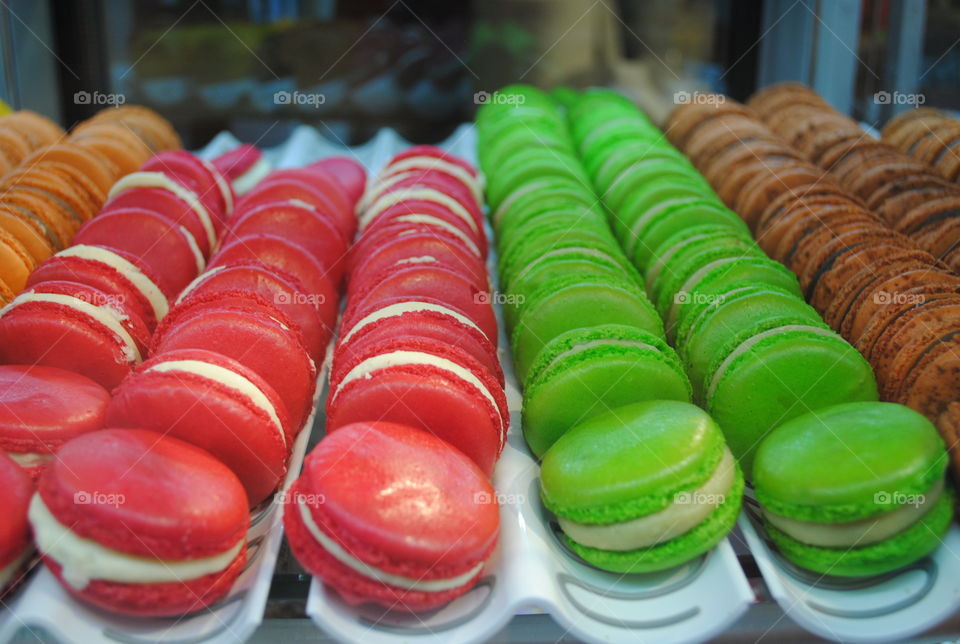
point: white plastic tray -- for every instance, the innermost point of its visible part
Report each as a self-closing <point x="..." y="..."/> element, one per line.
<point x="886" y="608"/>
<point x="531" y="570"/>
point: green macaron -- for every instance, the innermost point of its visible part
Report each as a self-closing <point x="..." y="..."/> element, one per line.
<point x="642" y="488"/>
<point x="763" y="379"/>
<point x="854" y="490"/>
<point x="574" y="301"/>
<point x="585" y="372"/>
<point x="652" y="195"/>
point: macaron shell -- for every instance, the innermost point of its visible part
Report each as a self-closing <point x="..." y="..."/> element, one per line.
<point x="15" y="261"/>
<point x="14" y="529"/>
<point x="28" y="231"/>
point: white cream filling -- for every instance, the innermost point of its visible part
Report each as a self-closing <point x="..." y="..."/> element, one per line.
<point x="196" y="282"/>
<point x="254" y="175"/>
<point x="417" y="193"/>
<point x="399" y="308"/>
<point x="686" y="512"/>
<point x="222" y="185"/>
<point x="103" y="315"/>
<point x="508" y="202"/>
<point x="425" y="259"/>
<point x="160" y="180"/>
<point x="197" y="255"/>
<point x="365" y="569"/>
<point x="862" y="532"/>
<point x="225" y="377"/>
<point x="445" y="225"/>
<point x="156" y="298"/>
<point x="397" y="358"/>
<point x="606" y="342"/>
<point x="30" y="459"/>
<point x="427" y="162"/>
<point x="8" y="572"/>
<point x="377" y="188"/>
<point x="748" y="344"/>
<point x="83" y="560"/>
<point x="642" y="220"/>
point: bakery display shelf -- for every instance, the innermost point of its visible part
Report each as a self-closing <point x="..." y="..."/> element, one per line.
<point x="534" y="587"/>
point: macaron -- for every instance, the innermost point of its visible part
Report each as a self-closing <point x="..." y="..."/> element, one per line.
<point x="574" y="301"/>
<point x="16" y="262"/>
<point x="276" y="287"/>
<point x="74" y="327"/>
<point x="426" y="384"/>
<point x="199" y="176"/>
<point x="114" y="542"/>
<point x="215" y="403"/>
<point x="255" y="334"/>
<point x="412" y="551"/>
<point x="115" y="272"/>
<point x="170" y="250"/>
<point x="16" y="543"/>
<point x="642" y="488"/>
<point x="43" y="407"/>
<point x="244" y="166"/>
<point x="350" y="174"/>
<point x="29" y="231"/>
<point x="588" y="371"/>
<point x="854" y="490"/>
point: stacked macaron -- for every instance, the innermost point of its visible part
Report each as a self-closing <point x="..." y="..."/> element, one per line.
<point x="56" y="184"/>
<point x="244" y="167"/>
<point x="584" y="336"/>
<point x="893" y="301"/>
<point x="233" y="365"/>
<point x="142" y="524"/>
<point x="417" y="342"/>
<point x="911" y="197"/>
<point x="854" y="490"/>
<point x="16" y="544"/>
<point x="755" y="352"/>
<point x="930" y="136"/>
<point x="91" y="307"/>
<point x="392" y="515"/>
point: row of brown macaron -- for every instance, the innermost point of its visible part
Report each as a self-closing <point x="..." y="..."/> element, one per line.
<point x="55" y="182"/>
<point x="896" y="303"/>
<point x="930" y="136"/>
<point x="908" y="195"/>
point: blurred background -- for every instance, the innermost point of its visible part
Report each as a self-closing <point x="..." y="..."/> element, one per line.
<point x="260" y="67"/>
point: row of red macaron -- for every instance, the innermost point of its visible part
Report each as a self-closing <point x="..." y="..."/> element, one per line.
<point x="232" y="373"/>
<point x="394" y="505"/>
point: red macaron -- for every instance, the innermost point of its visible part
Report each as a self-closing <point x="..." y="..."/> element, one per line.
<point x="167" y="522"/>
<point x="276" y="287"/>
<point x="167" y="248"/>
<point x="334" y="201"/>
<point x="197" y="175"/>
<point x="426" y="280"/>
<point x="388" y="514"/>
<point x="420" y="212"/>
<point x="74" y="327"/>
<point x="216" y="403"/>
<point x="426" y="384"/>
<point x="259" y="336"/>
<point x="348" y="173"/>
<point x="425" y="318"/>
<point x="168" y="204"/>
<point x="243" y="166"/>
<point x="292" y="258"/>
<point x="115" y="272"/>
<point x="312" y="229"/>
<point x="16" y="545"/>
<point x="43" y="407"/>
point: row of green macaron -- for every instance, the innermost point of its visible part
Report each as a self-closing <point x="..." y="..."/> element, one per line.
<point x="755" y="352"/>
<point x="590" y="351"/>
<point x="847" y="486"/>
